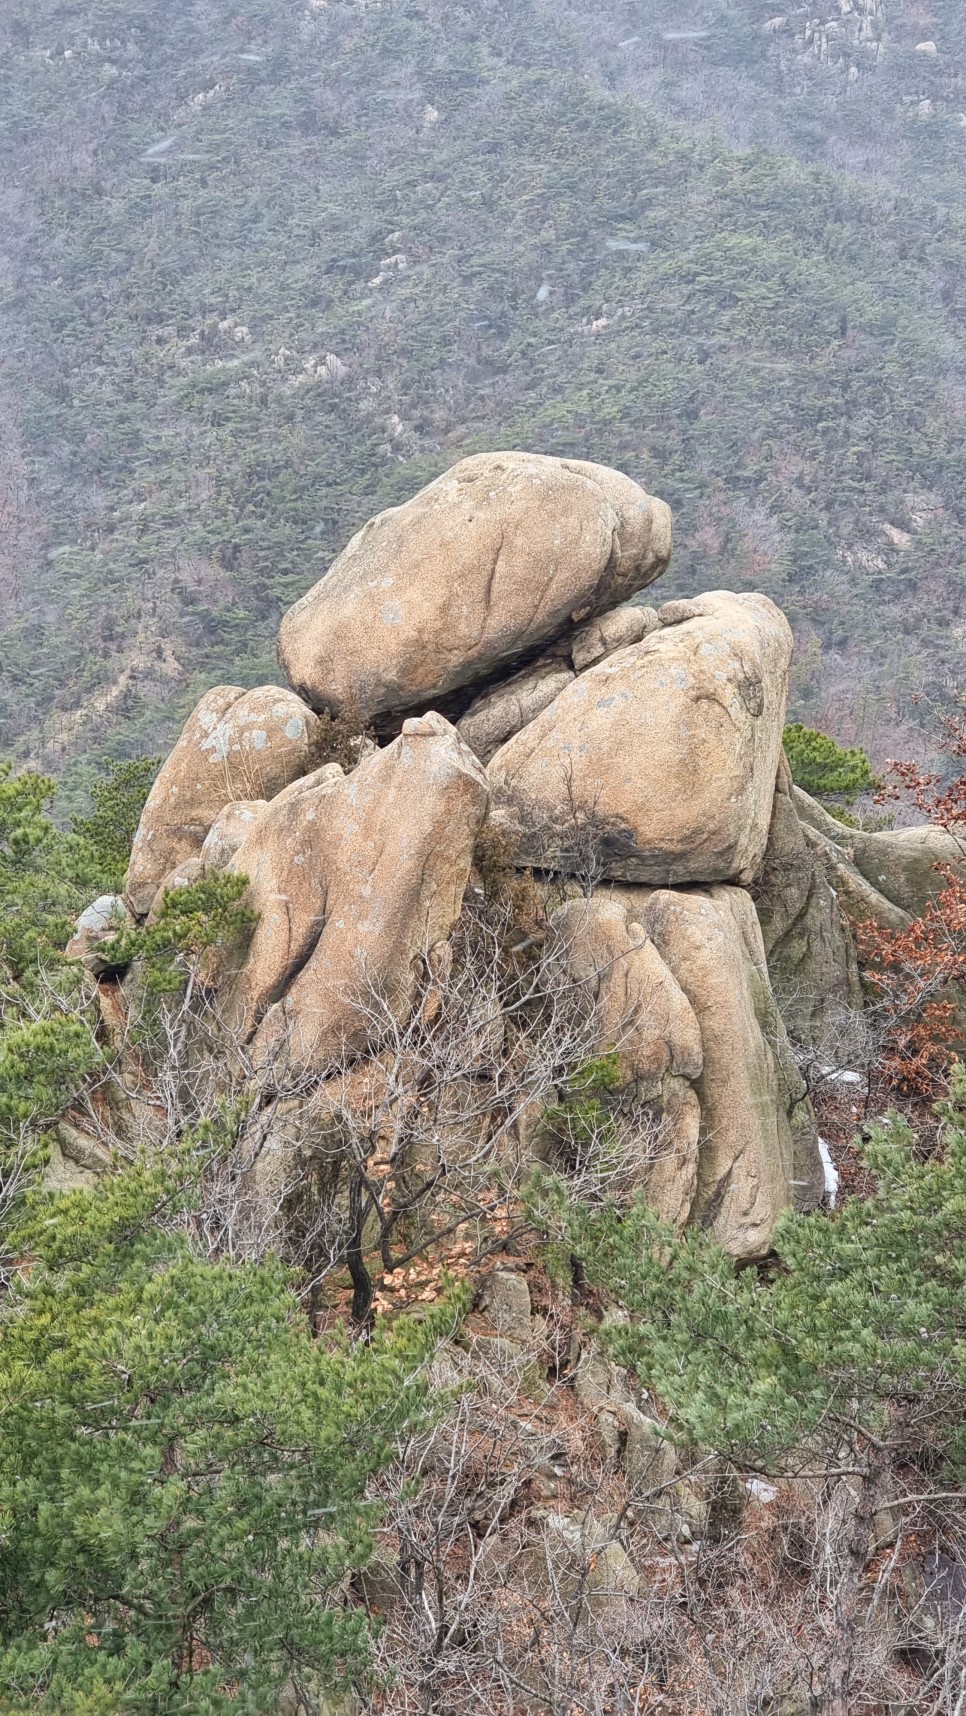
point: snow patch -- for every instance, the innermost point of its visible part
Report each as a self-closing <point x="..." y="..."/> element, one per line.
<point x="831" y="1173"/>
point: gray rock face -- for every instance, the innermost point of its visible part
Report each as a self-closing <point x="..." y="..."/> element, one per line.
<point x="501" y="555"/>
<point x="98" y="924"/>
<point x="506" y="1298"/>
<point x="807" y="940"/>
<point x="659" y="764"/>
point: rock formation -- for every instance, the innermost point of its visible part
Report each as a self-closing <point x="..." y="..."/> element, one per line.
<point x="236" y="745"/>
<point x="631" y="756"/>
<point x="808" y="945"/>
<point x="664" y="755"/>
<point x="500" y="556"/>
<point x="355" y="879"/>
<point x="886" y="876"/>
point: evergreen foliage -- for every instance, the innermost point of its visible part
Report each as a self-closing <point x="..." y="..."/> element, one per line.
<point x="825" y="769"/>
<point x="46" y="878"/>
<point x="214" y="201"/>
<point x="47" y="1041"/>
<point x="859" y="1319"/>
<point x="117" y="805"/>
<point x="581" y="1123"/>
<point x="189" y="922"/>
<point x="182" y="1468"/>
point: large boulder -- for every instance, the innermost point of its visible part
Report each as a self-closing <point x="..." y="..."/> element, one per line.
<point x="641" y="1011"/>
<point x="905" y="864"/>
<point x="356" y="880"/>
<point x="236" y="744"/>
<point x="758" y="1146"/>
<point x="658" y="765"/>
<point x="496" y="558"/>
<point x="807" y="939"/>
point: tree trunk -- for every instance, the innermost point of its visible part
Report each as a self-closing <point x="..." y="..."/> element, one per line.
<point x="857" y="1531"/>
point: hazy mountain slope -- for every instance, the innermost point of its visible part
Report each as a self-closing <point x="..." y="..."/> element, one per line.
<point x="267" y="268"/>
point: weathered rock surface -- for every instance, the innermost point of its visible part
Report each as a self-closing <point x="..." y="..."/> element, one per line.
<point x="757" y="1136"/>
<point x="99" y="923"/>
<point x="860" y="902"/>
<point x="506" y="1297"/>
<point x="898" y="864"/>
<point x="76" y="1162"/>
<point x="612" y="631"/>
<point x="642" y="1012"/>
<point x="634" y="750"/>
<point x="808" y="944"/>
<point x="230" y="827"/>
<point x="496" y="558"/>
<point x="496" y="715"/>
<point x="659" y="764"/>
<point x="641" y="1009"/>
<point x="235" y="745"/>
<point x="355" y="881"/>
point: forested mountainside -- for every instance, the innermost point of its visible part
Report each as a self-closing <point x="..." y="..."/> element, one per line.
<point x="267" y="267"/>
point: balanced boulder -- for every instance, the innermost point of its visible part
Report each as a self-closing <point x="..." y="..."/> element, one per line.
<point x="501" y="555"/>
<point x="236" y="744"/>
<point x="658" y="765"/>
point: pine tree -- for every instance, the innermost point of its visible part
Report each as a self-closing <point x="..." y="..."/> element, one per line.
<point x="834" y="773"/>
<point x="182" y="1468"/>
<point x="117" y="805"/>
<point x="847" y="1351"/>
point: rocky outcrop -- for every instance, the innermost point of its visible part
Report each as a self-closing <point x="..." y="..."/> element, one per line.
<point x="682" y="992"/>
<point x="757" y="1145"/>
<point x="807" y="941"/>
<point x="897" y="865"/>
<point x="631" y="753"/>
<point x="659" y="764"/>
<point x="355" y="880"/>
<point x="492" y="561"/>
<point x="236" y="744"/>
<point x="642" y="1013"/>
